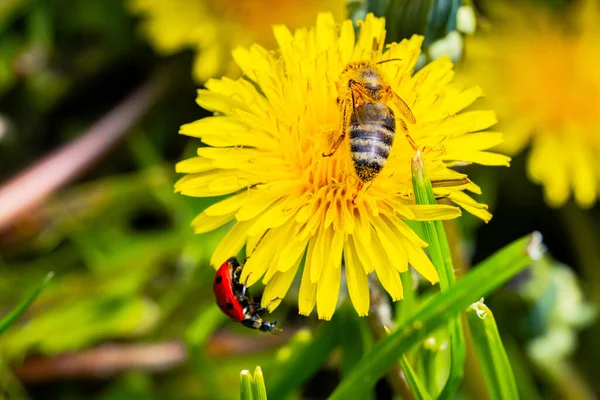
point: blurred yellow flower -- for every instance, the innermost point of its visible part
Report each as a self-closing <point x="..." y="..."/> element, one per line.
<point x="541" y="73"/>
<point x="213" y="28"/>
<point x="265" y="149"/>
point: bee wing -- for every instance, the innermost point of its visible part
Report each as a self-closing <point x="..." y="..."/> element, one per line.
<point x="403" y="108"/>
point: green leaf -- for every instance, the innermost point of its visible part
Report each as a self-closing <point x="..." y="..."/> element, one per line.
<point x="305" y="359"/>
<point x="11" y="317"/>
<point x="246" y="385"/>
<point x="416" y="386"/>
<point x="497" y="372"/>
<point x="260" y="391"/>
<point x="484" y="278"/>
<point x="414" y="382"/>
<point x="432" y="361"/>
<point x="439" y="251"/>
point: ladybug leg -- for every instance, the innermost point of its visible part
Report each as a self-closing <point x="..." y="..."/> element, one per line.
<point x="242" y="296"/>
<point x="245" y="285"/>
<point x="256" y="246"/>
<point x="240" y="288"/>
<point x="261" y="310"/>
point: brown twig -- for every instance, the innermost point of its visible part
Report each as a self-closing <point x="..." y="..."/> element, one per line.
<point x="103" y="361"/>
<point x="110" y="359"/>
<point x="34" y="184"/>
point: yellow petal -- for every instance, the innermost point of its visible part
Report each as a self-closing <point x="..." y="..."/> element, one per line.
<point x="436" y="212"/>
<point x="398" y="228"/>
<point x="279" y="213"/>
<point x="206" y="223"/>
<point x="386" y="242"/>
<point x="477" y="157"/>
<point x="466" y="202"/>
<point x="223" y="131"/>
<point x="463" y="99"/>
<point x="419" y="260"/>
<point x="194" y="165"/>
<point x="319" y="255"/>
<point x="207" y="63"/>
<point x="231" y="244"/>
<point x="262" y="257"/>
<point x="328" y="290"/>
<point x="387" y="274"/>
<point x="475" y="141"/>
<point x="278" y="286"/>
<point x="365" y="255"/>
<point x="357" y="280"/>
<point x="291" y="248"/>
<point x="584" y="175"/>
<point x="215" y="183"/>
<point x="308" y="290"/>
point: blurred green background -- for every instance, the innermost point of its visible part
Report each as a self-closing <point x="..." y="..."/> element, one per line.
<point x="130" y="313"/>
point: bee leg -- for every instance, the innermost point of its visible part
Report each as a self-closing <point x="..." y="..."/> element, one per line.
<point x="346" y="115"/>
<point x="411" y="141"/>
<point x="358" y="189"/>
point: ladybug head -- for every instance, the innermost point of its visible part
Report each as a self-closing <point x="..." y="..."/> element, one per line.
<point x="269" y="327"/>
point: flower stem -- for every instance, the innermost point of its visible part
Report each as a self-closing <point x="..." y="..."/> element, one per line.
<point x="439" y="251"/>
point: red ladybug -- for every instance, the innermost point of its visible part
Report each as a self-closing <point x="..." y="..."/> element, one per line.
<point x="233" y="300"/>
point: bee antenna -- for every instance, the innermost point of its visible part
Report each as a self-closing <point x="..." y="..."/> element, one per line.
<point x="388" y="60"/>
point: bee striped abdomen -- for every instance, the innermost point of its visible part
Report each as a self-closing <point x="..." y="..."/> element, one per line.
<point x="371" y="140"/>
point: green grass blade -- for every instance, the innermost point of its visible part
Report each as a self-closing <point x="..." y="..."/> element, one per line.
<point x="416" y="386"/>
<point x="260" y="391"/>
<point x="485" y="277"/>
<point x="304" y="361"/>
<point x="246" y="383"/>
<point x="12" y="316"/>
<point x="497" y="372"/>
<point x="430" y="353"/>
<point x="439" y="251"/>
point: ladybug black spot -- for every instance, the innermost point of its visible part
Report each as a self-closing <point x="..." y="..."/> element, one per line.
<point x="229" y="306"/>
<point x="219" y="279"/>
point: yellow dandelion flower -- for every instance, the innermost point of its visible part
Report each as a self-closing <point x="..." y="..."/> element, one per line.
<point x="540" y="72"/>
<point x="213" y="28"/>
<point x="265" y="150"/>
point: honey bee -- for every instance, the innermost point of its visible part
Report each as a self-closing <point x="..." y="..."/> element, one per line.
<point x="367" y="119"/>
